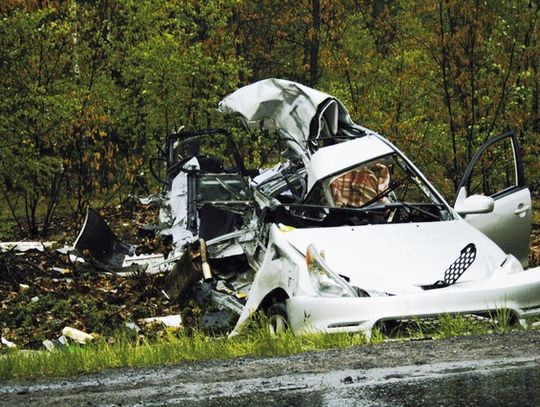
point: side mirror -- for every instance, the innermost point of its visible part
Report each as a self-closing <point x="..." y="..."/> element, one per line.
<point x="475" y="204"/>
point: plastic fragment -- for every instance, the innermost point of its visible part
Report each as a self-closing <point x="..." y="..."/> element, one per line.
<point x="25" y="246"/>
<point x="78" y="336"/>
<point x="51" y="345"/>
<point x="134" y="326"/>
<point x="173" y="321"/>
<point x="7" y="343"/>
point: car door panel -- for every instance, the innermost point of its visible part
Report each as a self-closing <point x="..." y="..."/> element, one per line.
<point x="509" y="223"/>
<point x="497" y="171"/>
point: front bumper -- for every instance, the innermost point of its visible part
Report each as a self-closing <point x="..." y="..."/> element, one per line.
<point x="519" y="293"/>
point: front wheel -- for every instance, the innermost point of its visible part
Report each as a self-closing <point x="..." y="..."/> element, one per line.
<point x="278" y="322"/>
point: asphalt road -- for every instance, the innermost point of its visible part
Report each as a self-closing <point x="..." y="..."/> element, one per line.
<point x="489" y="370"/>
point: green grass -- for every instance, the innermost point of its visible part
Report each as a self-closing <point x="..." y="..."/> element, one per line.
<point x="125" y="350"/>
<point x="445" y="326"/>
<point x="173" y="348"/>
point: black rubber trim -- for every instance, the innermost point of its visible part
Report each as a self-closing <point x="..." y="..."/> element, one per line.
<point x="507" y="191"/>
<point x="517" y="155"/>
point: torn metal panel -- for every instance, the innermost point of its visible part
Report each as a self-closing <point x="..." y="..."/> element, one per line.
<point x="148" y="263"/>
<point x="300" y="114"/>
<point x="183" y="276"/>
<point x="182" y="217"/>
<point x="97" y="239"/>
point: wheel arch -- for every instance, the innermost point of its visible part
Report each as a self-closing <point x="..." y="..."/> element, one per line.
<point x="276" y="295"/>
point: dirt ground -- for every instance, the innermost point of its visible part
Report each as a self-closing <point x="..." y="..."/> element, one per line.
<point x="42" y="292"/>
<point x="499" y="369"/>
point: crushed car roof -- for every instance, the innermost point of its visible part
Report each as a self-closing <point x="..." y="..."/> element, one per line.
<point x="298" y="113"/>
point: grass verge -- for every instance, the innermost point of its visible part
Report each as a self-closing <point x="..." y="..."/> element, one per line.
<point x="171" y="349"/>
<point x="177" y="347"/>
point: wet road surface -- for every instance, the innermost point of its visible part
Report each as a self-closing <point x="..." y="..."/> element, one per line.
<point x="489" y="370"/>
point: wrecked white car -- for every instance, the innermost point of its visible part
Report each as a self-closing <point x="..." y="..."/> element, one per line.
<point x="346" y="232"/>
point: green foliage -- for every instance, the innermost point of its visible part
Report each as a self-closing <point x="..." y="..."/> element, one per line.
<point x="88" y="90"/>
<point x="446" y="326"/>
<point x="34" y="106"/>
<point x="439" y="78"/>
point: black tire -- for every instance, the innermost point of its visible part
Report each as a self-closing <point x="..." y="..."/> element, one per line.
<point x="278" y="322"/>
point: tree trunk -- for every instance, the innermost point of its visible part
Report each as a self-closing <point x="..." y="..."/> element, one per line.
<point x="314" y="42"/>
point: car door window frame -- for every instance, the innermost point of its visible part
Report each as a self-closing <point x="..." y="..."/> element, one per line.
<point x="518" y="165"/>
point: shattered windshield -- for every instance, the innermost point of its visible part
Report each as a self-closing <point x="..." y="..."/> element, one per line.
<point x="383" y="190"/>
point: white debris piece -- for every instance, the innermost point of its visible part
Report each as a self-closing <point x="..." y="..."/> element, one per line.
<point x="52" y="345"/>
<point x="133" y="325"/>
<point x="76" y="335"/>
<point x="60" y="270"/>
<point x="174" y="321"/>
<point x="153" y="261"/>
<point x="76" y="259"/>
<point x="7" y="343"/>
<point x="25" y="246"/>
<point x="66" y="249"/>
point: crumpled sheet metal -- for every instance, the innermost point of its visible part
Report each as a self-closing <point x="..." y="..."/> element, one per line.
<point x="178" y="204"/>
<point x="97" y="238"/>
<point x="285" y="106"/>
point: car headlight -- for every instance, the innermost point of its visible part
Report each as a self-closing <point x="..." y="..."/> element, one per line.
<point x="325" y="281"/>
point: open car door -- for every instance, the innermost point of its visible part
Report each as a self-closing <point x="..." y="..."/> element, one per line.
<point x="496" y="171"/>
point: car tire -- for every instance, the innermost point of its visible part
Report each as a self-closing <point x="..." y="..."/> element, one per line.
<point x="278" y="322"/>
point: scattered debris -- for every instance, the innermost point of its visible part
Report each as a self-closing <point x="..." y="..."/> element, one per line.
<point x="133" y="326"/>
<point x="23" y="288"/>
<point x="348" y="380"/>
<point x="54" y="344"/>
<point x="68" y="290"/>
<point x="152" y="263"/>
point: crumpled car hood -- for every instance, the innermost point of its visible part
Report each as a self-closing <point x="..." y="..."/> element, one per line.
<point x="396" y="258"/>
<point x="292" y="109"/>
